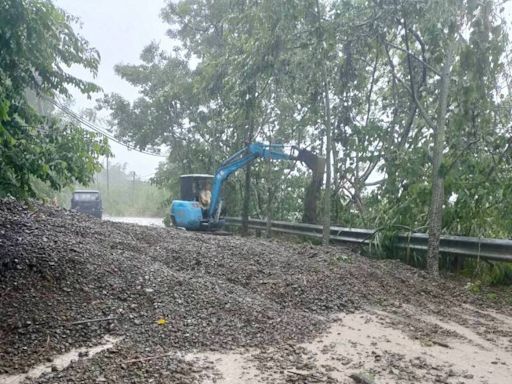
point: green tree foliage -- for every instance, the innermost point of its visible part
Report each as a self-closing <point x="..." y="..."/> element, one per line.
<point x="253" y="70"/>
<point x="477" y="118"/>
<point x="37" y="41"/>
<point x="241" y="89"/>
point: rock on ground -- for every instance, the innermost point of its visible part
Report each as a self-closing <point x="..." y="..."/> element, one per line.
<point x="67" y="280"/>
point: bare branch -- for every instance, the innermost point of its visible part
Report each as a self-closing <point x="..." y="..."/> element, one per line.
<point x="423" y="113"/>
<point x="370" y="91"/>
<point x="368" y="21"/>
<point x="413" y="56"/>
<point x="368" y="171"/>
<point x="393" y="71"/>
<point x="412" y="114"/>
<point x="422" y="110"/>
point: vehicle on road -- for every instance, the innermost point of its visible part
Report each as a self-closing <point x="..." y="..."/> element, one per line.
<point x="88" y="202"/>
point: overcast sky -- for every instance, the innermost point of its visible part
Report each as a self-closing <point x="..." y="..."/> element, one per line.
<point x="119" y="30"/>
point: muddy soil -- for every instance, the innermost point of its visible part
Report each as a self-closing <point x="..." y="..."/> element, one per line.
<point x="194" y="308"/>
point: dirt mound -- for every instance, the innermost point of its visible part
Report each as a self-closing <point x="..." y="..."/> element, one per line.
<point x="67" y="280"/>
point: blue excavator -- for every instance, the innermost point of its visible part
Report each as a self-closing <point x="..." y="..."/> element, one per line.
<point x="200" y="209"/>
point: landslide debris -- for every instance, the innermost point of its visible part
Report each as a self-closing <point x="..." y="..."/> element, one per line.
<point x="67" y="280"/>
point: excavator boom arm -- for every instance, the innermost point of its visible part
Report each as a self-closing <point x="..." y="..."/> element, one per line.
<point x="247" y="155"/>
<point x="239" y="160"/>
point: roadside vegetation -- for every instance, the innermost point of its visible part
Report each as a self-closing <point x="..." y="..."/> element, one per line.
<point x="37" y="41"/>
<point x="409" y="102"/>
<point x="414" y="95"/>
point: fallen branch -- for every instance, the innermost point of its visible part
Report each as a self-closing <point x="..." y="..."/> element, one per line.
<point x="440" y="343"/>
<point x="297" y="373"/>
<point x="93" y="320"/>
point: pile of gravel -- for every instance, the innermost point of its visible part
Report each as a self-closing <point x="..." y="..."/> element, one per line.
<point x="67" y="280"/>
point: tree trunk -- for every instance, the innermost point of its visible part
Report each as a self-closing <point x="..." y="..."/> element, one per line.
<point x="245" y="203"/>
<point x="249" y="114"/>
<point x="335" y="178"/>
<point x="436" y="205"/>
<point x="312" y="195"/>
<point x="269" y="196"/>
<point x="327" y="196"/>
<point x="326" y="232"/>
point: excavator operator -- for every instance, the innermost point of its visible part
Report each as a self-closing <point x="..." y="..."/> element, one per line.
<point x="205" y="194"/>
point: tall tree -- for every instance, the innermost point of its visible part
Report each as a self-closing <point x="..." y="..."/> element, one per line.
<point x="439" y="144"/>
<point x="425" y="48"/>
<point x="326" y="219"/>
<point x="243" y="82"/>
<point x="402" y="151"/>
<point x="37" y="41"/>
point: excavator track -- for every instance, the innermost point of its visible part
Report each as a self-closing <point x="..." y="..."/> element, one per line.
<point x="219" y="233"/>
<point x="214" y="233"/>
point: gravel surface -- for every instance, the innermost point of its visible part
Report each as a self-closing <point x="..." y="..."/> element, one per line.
<point x="67" y="280"/>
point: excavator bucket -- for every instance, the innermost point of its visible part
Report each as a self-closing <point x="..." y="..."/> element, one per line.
<point x="312" y="161"/>
<point x="317" y="166"/>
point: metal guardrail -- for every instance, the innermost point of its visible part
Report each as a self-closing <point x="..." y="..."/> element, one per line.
<point x="489" y="249"/>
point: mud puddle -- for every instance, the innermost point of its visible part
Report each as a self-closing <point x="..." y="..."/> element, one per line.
<point x="369" y="343"/>
<point x="148" y="221"/>
<point x="61" y="361"/>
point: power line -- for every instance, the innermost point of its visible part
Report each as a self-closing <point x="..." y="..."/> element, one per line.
<point x="97" y="129"/>
<point x="100" y="130"/>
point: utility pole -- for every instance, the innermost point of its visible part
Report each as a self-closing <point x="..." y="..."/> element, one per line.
<point x="108" y="179"/>
<point x="133" y="186"/>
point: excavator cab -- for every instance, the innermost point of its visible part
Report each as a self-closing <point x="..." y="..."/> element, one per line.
<point x="191" y="211"/>
<point x="193" y="186"/>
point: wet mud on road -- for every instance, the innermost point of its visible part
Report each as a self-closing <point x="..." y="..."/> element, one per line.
<point x="372" y="342"/>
